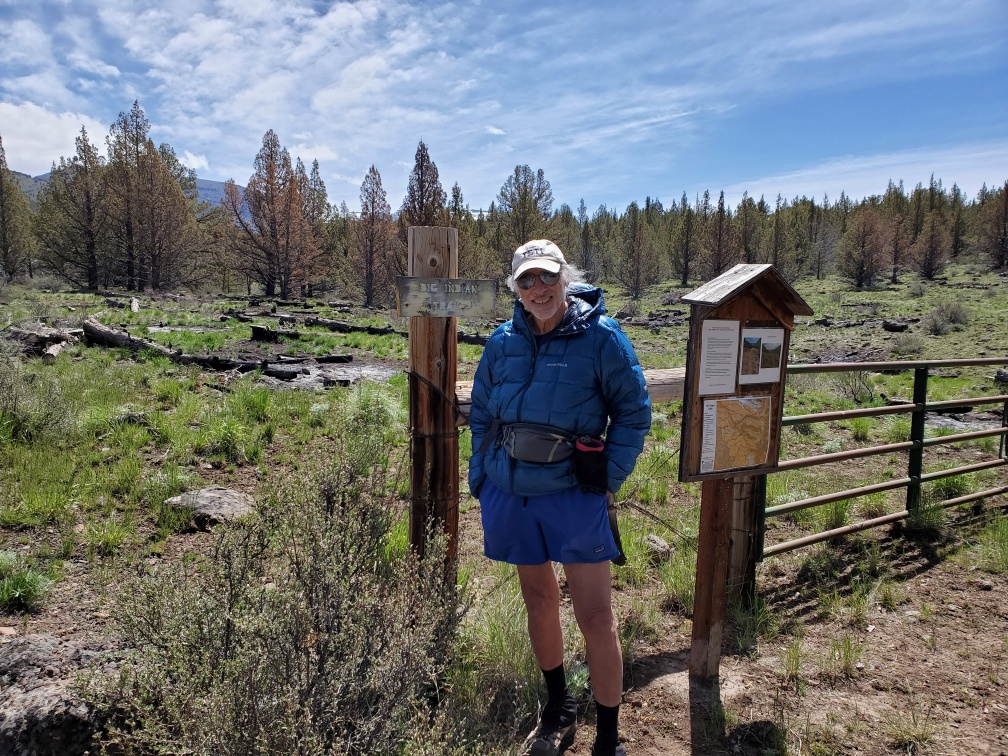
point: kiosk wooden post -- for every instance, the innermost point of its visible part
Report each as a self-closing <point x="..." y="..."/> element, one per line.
<point x="433" y="361"/>
<point x="736" y="365"/>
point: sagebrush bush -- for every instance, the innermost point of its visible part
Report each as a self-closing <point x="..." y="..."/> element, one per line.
<point x="30" y="407"/>
<point x="301" y="633"/>
<point x="908" y="343"/>
<point x="947" y="316"/>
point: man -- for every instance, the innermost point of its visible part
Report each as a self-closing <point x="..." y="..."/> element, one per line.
<point x="552" y="382"/>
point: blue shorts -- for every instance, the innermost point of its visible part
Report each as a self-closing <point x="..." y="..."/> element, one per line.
<point x="569" y="527"/>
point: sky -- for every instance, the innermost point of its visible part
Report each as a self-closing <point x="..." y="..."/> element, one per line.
<point x="614" y="102"/>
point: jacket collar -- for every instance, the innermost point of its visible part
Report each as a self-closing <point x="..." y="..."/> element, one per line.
<point x="586" y="305"/>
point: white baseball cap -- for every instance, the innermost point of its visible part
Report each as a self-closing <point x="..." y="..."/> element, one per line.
<point x="539" y="254"/>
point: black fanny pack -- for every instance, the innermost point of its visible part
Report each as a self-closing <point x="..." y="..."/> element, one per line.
<point x="541" y="444"/>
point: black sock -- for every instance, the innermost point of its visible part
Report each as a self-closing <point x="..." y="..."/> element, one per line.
<point x="606" y="723"/>
<point x="556" y="686"/>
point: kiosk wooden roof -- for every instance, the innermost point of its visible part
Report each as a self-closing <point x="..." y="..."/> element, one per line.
<point x="774" y="290"/>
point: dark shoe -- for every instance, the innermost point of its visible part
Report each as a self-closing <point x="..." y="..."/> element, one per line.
<point x="556" y="728"/>
<point x="601" y="748"/>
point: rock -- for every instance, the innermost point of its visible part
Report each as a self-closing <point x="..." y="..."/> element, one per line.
<point x="658" y="549"/>
<point x="39" y="713"/>
<point x="894" y="326"/>
<point x="213" y="505"/>
<point x="1001" y="376"/>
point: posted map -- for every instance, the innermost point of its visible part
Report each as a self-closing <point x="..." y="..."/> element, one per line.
<point x="736" y="433"/>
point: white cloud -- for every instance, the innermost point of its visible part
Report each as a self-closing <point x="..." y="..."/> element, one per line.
<point x="23" y="43"/>
<point x="195" y="162"/>
<point x="859" y="176"/>
<point x="494" y="131"/>
<point x="34" y="137"/>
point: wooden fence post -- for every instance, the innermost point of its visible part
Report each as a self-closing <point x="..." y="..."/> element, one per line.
<point x="711" y="575"/>
<point x="742" y="543"/>
<point x="433" y="366"/>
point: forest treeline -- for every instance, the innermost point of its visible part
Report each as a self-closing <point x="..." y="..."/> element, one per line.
<point x="130" y="217"/>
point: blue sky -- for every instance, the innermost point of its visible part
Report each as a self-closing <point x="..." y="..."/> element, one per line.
<point x="650" y="99"/>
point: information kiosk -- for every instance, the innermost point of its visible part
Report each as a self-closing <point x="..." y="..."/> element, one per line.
<point x="733" y="397"/>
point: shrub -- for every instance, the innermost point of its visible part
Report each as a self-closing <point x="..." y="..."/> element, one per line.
<point x="946" y="317"/>
<point x="935" y="324"/>
<point x="907" y="343"/>
<point x="22" y="588"/>
<point x="857" y="386"/>
<point x="302" y="633"/>
<point x="30" y="408"/>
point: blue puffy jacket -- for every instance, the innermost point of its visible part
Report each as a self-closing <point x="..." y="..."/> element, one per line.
<point x="582" y="377"/>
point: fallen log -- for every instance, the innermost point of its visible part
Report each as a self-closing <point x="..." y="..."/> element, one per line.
<point x="267" y="334"/>
<point x="103" y="335"/>
<point x="37" y="339"/>
<point x="339" y="326"/>
<point x="52" y="351"/>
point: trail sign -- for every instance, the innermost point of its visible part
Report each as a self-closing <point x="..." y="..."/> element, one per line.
<point x="445" y="297"/>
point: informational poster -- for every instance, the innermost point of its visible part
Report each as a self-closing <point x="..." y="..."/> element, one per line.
<point x="736" y="433"/>
<point x="762" y="350"/>
<point x="719" y="354"/>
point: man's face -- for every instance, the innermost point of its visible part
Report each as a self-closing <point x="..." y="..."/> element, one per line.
<point x="544" y="302"/>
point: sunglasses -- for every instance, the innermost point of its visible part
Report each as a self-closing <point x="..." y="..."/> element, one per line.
<point x="527" y="280"/>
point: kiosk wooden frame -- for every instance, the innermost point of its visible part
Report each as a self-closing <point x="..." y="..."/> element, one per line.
<point x="736" y="367"/>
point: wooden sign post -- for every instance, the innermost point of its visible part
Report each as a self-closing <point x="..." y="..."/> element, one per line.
<point x="733" y="398"/>
<point x="432" y="296"/>
<point x="433" y="361"/>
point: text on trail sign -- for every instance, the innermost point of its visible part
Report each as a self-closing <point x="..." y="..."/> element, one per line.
<point x="445" y="297"/>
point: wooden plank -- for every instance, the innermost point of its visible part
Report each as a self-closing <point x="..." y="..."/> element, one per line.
<point x="732" y="282"/>
<point x="445" y="297"/>
<point x="433" y="366"/>
<point x="664" y="385"/>
<point x="711" y="575"/>
<point x="728" y="284"/>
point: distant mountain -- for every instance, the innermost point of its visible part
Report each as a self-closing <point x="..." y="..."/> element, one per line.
<point x="208" y="191"/>
<point x="31" y="186"/>
<point x="211" y="191"/>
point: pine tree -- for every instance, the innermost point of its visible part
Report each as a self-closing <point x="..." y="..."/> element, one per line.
<point x="72" y="225"/>
<point x="373" y="237"/>
<point x="127" y="150"/>
<point x="717" y="245"/>
<point x="684" y="245"/>
<point x="933" y="246"/>
<point x="994" y="227"/>
<point x="16" y="241"/>
<point x="525" y="203"/>
<point x="425" y="200"/>
<point x="860" y="249"/>
<point x="278" y="244"/>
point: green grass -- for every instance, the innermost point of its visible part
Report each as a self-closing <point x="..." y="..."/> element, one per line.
<point x="22" y="587"/>
<point x="105" y="537"/>
<point x="992" y="546"/>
